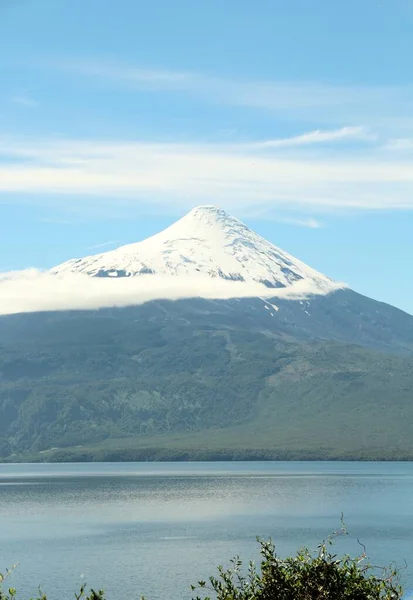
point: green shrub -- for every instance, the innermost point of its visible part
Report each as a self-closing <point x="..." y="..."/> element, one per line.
<point x="306" y="576"/>
<point x="11" y="593"/>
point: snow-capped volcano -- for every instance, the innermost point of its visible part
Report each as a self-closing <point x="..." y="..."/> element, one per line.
<point x="206" y="241"/>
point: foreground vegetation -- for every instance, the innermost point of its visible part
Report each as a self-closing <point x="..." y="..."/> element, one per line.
<point x="306" y="576"/>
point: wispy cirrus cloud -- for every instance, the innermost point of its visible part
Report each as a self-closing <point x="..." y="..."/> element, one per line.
<point x="353" y="158"/>
<point x="304" y="222"/>
<point x="24" y="100"/>
<point x="385" y="106"/>
<point x="317" y="137"/>
<point x="103" y="245"/>
<point x="400" y="145"/>
<point x="139" y="76"/>
<point x="53" y="220"/>
<point x="242" y="177"/>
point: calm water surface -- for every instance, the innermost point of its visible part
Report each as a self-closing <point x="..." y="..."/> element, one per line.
<point x="155" y="528"/>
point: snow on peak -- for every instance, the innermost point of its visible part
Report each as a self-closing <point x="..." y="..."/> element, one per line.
<point x="206" y="241"/>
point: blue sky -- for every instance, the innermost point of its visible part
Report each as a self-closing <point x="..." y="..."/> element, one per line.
<point x="296" y="116"/>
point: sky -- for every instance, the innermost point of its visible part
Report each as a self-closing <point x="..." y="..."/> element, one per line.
<point x="116" y="118"/>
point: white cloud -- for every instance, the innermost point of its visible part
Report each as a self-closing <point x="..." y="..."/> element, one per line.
<point x="316" y="137"/>
<point x="103" y="245"/>
<point x="32" y="290"/>
<point x="53" y="221"/>
<point x="24" y="100"/>
<point x="384" y="107"/>
<point x="309" y="223"/>
<point x="242" y="177"/>
<point x="271" y="95"/>
<point x="138" y="76"/>
<point x="399" y="144"/>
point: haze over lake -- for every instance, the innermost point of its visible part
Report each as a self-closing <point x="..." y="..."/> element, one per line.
<point x="155" y="528"/>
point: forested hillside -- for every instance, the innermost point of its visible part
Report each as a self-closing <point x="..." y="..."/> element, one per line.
<point x="121" y="379"/>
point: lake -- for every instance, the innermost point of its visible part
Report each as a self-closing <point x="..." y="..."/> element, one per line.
<point x="155" y="528"/>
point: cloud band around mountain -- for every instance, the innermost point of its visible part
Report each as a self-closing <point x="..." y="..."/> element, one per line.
<point x="37" y="291"/>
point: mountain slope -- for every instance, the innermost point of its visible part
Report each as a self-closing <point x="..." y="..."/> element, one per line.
<point x="118" y="380"/>
<point x="207" y="241"/>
